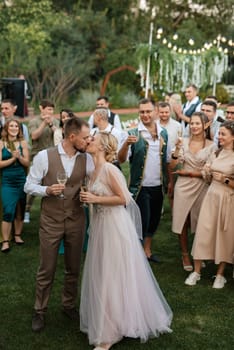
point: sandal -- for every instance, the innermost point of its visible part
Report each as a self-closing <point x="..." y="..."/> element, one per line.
<point x="186" y="266"/>
<point x="20" y="242"/>
<point x="6" y="250"/>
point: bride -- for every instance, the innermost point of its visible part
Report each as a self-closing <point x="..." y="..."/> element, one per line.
<point x="120" y="296"/>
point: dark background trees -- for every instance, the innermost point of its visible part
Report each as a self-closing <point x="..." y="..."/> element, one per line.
<point x="62" y="47"/>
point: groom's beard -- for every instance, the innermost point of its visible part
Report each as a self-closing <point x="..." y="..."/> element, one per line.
<point x="81" y="150"/>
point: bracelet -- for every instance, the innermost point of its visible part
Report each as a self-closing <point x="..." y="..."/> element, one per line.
<point x="174" y="157"/>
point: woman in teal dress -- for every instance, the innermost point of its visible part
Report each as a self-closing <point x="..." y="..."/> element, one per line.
<point x="14" y="159"/>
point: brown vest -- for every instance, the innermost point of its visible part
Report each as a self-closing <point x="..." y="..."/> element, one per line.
<point x="69" y="207"/>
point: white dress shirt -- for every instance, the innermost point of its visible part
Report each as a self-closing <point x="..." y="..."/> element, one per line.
<point x="174" y="130"/>
<point x="152" y="170"/>
<point x="39" y="169"/>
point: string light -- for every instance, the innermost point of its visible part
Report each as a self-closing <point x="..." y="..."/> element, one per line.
<point x="191" y="42"/>
<point x="160" y="31"/>
<point x="207" y="45"/>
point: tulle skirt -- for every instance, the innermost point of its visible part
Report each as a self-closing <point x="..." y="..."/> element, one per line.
<point x="120" y="296"/>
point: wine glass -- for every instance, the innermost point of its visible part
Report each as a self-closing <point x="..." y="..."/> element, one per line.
<point x="62" y="179"/>
<point x="84" y="188"/>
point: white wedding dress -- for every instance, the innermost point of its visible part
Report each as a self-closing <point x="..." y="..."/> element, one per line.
<point x="120" y="296"/>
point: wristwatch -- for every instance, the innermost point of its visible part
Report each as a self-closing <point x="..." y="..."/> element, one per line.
<point x="226" y="181"/>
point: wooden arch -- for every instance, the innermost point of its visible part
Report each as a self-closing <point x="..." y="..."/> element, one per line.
<point x="112" y="72"/>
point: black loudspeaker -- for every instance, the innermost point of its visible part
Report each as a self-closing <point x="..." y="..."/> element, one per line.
<point x="13" y="89"/>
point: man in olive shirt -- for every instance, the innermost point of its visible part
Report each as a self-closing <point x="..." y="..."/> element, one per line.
<point x="41" y="129"/>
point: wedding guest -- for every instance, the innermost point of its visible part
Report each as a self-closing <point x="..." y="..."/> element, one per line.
<point x="41" y="129"/>
<point x="59" y="132"/>
<point x="174" y="128"/>
<point x="184" y="112"/>
<point x="149" y="154"/>
<point x="214" y="239"/>
<point x="190" y="188"/>
<point x="14" y="159"/>
<point x="8" y="109"/>
<point x="120" y="296"/>
<point x="113" y="118"/>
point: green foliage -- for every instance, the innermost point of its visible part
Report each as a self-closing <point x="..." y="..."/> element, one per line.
<point x="84" y="40"/>
<point x="221" y="93"/>
<point x="86" y="100"/>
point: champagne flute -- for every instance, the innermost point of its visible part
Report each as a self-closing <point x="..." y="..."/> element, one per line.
<point x="179" y="134"/>
<point x="84" y="188"/>
<point x="62" y="179"/>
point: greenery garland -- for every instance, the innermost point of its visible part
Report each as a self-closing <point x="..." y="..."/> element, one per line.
<point x="173" y="71"/>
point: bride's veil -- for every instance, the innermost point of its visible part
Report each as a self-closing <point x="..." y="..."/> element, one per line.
<point x="131" y="206"/>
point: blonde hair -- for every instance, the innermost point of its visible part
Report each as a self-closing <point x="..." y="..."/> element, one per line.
<point x="109" y="143"/>
<point x="101" y="112"/>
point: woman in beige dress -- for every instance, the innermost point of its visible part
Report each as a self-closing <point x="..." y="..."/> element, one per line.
<point x="191" y="153"/>
<point x="214" y="239"/>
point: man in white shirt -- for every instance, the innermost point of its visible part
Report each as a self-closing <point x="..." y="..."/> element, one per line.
<point x="113" y="119"/>
<point x="174" y="128"/>
<point x="61" y="217"/>
<point x="229" y="116"/>
<point x="149" y="155"/>
<point x="209" y="108"/>
<point x="185" y="112"/>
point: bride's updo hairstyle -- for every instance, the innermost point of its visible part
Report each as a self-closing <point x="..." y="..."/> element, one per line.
<point x="109" y="143"/>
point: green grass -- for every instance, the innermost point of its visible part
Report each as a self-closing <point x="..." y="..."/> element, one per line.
<point x="203" y="317"/>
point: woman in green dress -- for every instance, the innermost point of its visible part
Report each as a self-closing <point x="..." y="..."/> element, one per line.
<point x="14" y="159"/>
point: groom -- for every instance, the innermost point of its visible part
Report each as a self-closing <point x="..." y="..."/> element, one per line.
<point x="61" y="218"/>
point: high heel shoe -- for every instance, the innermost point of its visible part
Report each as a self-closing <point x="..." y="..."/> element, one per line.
<point x="19" y="242"/>
<point x="6" y="250"/>
<point x="186" y="266"/>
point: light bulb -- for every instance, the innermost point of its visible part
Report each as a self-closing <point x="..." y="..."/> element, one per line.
<point x="160" y="31"/>
<point x="191" y="42"/>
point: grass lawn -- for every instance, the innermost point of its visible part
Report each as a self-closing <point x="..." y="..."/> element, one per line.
<point x="203" y="317"/>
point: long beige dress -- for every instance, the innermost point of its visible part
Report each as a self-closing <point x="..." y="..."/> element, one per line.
<point x="190" y="191"/>
<point x="214" y="239"/>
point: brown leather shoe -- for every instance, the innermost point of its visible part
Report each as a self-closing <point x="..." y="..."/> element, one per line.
<point x="73" y="314"/>
<point x="38" y="322"/>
